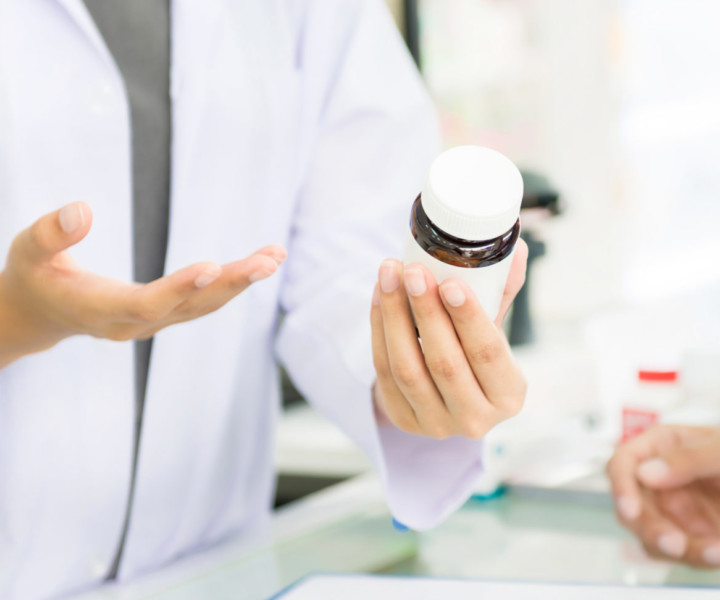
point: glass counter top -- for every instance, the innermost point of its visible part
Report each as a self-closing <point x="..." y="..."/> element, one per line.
<point x="349" y="529"/>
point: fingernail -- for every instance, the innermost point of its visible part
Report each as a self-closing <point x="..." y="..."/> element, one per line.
<point x="673" y="544"/>
<point x="207" y="277"/>
<point x="628" y="507"/>
<point x="653" y="471"/>
<point x="415" y="282"/>
<point x="376" y="295"/>
<point x="279" y="258"/>
<point x="389" y="280"/>
<point x="258" y="275"/>
<point x="453" y="294"/>
<point x="711" y="555"/>
<point x="71" y="217"/>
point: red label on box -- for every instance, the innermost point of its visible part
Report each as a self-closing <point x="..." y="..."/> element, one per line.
<point x="635" y="421"/>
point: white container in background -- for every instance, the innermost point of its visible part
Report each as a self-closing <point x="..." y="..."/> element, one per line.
<point x="654" y="396"/>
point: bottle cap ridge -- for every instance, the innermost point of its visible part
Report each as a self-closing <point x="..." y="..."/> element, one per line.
<point x="473" y="193"/>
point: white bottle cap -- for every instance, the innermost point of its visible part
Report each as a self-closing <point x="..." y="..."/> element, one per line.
<point x="473" y="193"/>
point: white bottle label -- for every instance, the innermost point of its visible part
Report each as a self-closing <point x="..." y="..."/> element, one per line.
<point x="488" y="283"/>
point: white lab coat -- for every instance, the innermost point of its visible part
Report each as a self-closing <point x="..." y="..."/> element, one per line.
<point x="298" y="122"/>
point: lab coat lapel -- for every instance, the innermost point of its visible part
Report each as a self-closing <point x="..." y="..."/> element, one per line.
<point x="188" y="385"/>
<point x="205" y="467"/>
<point x="194" y="32"/>
<point x="78" y="12"/>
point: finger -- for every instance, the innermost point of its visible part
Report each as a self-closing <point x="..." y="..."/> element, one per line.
<point x="516" y="279"/>
<point x="237" y="276"/>
<point x="652" y="551"/>
<point x="682" y="465"/>
<point x="622" y="469"/>
<point x="659" y="535"/>
<point x="405" y="356"/>
<point x="444" y="355"/>
<point x="54" y="232"/>
<point x="392" y="402"/>
<point x="107" y="307"/>
<point x="689" y="508"/>
<point x="193" y="291"/>
<point x="274" y="251"/>
<point x="693" y="512"/>
<point x="485" y="347"/>
<point x="155" y="300"/>
<point x="704" y="552"/>
<point x="234" y="279"/>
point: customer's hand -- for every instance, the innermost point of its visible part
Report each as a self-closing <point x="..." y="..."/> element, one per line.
<point x="463" y="379"/>
<point x="666" y="486"/>
<point x="45" y="297"/>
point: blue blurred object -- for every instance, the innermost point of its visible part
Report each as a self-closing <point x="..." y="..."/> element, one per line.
<point x="399" y="526"/>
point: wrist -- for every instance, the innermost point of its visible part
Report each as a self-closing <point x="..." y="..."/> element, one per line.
<point x="23" y="332"/>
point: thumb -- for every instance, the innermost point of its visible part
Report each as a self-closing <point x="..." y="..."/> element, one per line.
<point x="516" y="279"/>
<point x="681" y="466"/>
<point x="55" y="232"/>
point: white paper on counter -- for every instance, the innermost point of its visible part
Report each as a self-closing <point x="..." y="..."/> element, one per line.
<point x="363" y="587"/>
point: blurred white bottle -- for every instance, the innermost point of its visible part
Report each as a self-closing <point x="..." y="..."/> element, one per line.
<point x="653" y="398"/>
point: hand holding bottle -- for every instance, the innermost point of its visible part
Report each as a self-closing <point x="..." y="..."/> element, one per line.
<point x="459" y="377"/>
<point x="462" y="378"/>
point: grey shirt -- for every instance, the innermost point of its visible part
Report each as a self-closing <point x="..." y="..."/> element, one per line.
<point x="137" y="33"/>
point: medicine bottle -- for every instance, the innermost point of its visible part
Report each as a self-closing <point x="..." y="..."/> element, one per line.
<point x="655" y="394"/>
<point x="465" y="223"/>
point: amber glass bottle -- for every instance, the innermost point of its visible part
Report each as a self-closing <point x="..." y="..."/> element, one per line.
<point x="465" y="223"/>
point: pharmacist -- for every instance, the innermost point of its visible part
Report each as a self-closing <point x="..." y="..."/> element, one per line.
<point x="209" y="144"/>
